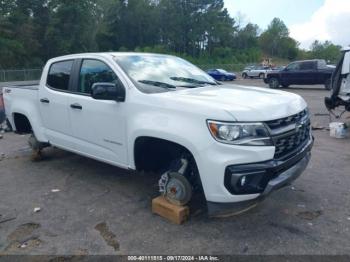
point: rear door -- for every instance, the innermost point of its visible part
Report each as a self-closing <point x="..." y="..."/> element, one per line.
<point x="323" y="72"/>
<point x="53" y="103"/>
<point x="99" y="126"/>
<point x="308" y="73"/>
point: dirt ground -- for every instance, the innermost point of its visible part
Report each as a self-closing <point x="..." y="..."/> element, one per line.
<point x="87" y="207"/>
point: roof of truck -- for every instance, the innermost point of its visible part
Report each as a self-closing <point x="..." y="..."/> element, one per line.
<point x="107" y="54"/>
<point x="310" y="60"/>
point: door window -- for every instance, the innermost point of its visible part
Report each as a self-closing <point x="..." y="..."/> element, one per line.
<point x="94" y="71"/>
<point x="293" y="66"/>
<point x="59" y="75"/>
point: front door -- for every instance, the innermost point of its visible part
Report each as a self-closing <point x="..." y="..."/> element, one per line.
<point x="291" y="74"/>
<point x="99" y="127"/>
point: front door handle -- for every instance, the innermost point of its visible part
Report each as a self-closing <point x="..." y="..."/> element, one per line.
<point x="76" y="106"/>
<point x="45" y="100"/>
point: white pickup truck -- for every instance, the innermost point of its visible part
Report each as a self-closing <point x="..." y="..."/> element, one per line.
<point x="162" y="114"/>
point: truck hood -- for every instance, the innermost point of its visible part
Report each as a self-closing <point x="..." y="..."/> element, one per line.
<point x="241" y="103"/>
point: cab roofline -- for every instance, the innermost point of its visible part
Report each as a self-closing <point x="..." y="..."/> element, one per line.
<point x="113" y="54"/>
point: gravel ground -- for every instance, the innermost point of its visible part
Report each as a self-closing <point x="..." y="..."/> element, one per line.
<point x="101" y="209"/>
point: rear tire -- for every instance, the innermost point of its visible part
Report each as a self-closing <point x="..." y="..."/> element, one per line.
<point x="244" y="76"/>
<point x="327" y="84"/>
<point x="274" y="83"/>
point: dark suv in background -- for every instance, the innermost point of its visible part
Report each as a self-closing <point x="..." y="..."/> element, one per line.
<point x="307" y="72"/>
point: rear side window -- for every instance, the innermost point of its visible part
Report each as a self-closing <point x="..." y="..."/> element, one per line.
<point x="321" y="64"/>
<point x="307" y="65"/>
<point x="94" y="71"/>
<point x="59" y="75"/>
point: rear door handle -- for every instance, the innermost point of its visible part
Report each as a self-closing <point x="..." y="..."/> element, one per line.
<point x="76" y="106"/>
<point x="45" y="100"/>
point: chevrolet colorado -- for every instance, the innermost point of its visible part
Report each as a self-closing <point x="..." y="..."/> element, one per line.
<point x="162" y="114"/>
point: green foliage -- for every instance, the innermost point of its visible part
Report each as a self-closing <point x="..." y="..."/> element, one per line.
<point x="201" y="31"/>
<point x="275" y="41"/>
<point x="72" y="27"/>
<point x="326" y="50"/>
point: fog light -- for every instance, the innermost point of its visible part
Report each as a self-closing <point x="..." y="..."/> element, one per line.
<point x="243" y="180"/>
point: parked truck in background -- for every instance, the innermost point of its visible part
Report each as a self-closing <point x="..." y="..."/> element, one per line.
<point x="235" y="144"/>
<point x="307" y="72"/>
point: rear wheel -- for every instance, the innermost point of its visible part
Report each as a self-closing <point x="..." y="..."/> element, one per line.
<point x="274" y="83"/>
<point x="244" y="75"/>
<point x="327" y="84"/>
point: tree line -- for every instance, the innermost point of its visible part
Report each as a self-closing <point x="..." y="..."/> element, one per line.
<point x="202" y="31"/>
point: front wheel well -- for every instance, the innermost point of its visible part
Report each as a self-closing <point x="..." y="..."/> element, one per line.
<point x="22" y="124"/>
<point x="155" y="155"/>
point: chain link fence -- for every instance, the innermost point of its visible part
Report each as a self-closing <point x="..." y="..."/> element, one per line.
<point x="227" y="67"/>
<point x="20" y="75"/>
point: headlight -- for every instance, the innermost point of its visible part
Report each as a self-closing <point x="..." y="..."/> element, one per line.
<point x="252" y="134"/>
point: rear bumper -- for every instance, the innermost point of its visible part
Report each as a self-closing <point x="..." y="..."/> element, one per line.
<point x="284" y="173"/>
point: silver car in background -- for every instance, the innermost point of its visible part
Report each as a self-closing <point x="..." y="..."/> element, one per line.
<point x="255" y="71"/>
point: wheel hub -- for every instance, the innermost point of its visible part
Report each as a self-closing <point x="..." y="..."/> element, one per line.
<point x="177" y="190"/>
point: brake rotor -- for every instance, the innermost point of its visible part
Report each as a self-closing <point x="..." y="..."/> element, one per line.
<point x="178" y="190"/>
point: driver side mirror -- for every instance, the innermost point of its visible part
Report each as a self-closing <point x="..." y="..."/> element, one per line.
<point x="108" y="91"/>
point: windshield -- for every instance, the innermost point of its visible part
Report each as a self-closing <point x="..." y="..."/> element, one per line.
<point x="159" y="73"/>
<point x="222" y="71"/>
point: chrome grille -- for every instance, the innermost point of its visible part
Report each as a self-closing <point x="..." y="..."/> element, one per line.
<point x="286" y="121"/>
<point x="297" y="135"/>
<point x="286" y="144"/>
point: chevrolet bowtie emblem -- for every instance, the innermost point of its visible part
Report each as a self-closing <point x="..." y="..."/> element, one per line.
<point x="298" y="126"/>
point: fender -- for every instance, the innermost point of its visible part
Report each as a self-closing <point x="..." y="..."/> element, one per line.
<point x="27" y="108"/>
<point x="171" y="127"/>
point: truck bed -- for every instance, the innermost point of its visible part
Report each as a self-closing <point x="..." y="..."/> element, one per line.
<point x="22" y="94"/>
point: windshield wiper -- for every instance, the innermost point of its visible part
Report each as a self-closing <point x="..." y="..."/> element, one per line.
<point x="157" y="83"/>
<point x="192" y="81"/>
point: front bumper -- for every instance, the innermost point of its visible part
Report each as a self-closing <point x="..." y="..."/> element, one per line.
<point x="277" y="174"/>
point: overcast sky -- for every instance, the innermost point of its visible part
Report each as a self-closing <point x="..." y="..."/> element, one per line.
<point x="307" y="20"/>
